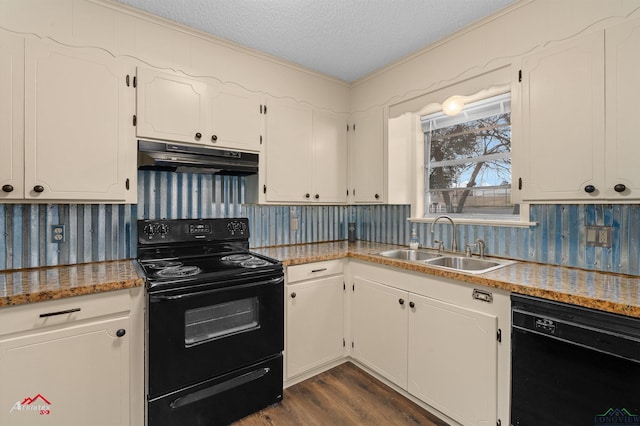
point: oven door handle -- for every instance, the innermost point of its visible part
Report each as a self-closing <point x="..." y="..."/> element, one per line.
<point x="188" y="294"/>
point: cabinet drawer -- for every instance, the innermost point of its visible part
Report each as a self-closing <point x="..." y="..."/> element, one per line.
<point x="314" y="270"/>
<point x="66" y="311"/>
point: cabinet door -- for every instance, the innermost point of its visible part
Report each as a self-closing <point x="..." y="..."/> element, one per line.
<point x="288" y="152"/>
<point x="379" y="327"/>
<point x="366" y="157"/>
<point x="453" y="360"/>
<point x="315" y="324"/>
<point x="235" y="120"/>
<point x="329" y="176"/>
<point x="11" y="116"/>
<point x="72" y="376"/>
<point x="563" y="120"/>
<point x="79" y="142"/>
<point x="172" y="107"/>
<point x="623" y="125"/>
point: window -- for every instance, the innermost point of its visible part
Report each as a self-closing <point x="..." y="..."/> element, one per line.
<point x="468" y="161"/>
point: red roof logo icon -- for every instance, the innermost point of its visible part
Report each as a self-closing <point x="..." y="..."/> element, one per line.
<point x="29" y="401"/>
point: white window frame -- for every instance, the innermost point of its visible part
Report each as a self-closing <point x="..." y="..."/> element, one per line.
<point x="418" y="169"/>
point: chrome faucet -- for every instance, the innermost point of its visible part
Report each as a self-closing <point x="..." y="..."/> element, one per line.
<point x="454" y="245"/>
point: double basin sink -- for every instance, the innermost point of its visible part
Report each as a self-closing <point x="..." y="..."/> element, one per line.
<point x="450" y="261"/>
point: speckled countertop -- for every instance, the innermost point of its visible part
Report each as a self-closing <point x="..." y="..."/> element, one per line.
<point x="40" y="284"/>
<point x="607" y="292"/>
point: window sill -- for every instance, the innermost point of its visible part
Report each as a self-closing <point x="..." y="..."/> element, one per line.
<point x="478" y="221"/>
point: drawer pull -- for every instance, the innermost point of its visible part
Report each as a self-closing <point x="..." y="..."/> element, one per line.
<point x="52" y="314"/>
<point x="121" y="332"/>
<point x="319" y="270"/>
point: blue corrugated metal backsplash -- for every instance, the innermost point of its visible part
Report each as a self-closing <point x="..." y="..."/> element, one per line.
<point x="108" y="232"/>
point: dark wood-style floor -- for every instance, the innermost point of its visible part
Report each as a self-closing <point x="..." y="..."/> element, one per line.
<point x="344" y="395"/>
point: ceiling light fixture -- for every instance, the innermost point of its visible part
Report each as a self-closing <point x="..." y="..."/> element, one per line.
<point x="453" y="105"/>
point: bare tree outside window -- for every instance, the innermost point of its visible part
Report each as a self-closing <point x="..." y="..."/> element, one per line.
<point x="468" y="164"/>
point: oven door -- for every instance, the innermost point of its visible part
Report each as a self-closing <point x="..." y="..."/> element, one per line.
<point x="195" y="336"/>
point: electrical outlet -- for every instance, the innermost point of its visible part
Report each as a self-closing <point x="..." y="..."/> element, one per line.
<point x="57" y="234"/>
<point x="294" y="223"/>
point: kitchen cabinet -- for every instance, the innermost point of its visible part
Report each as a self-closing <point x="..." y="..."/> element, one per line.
<point x="379" y="328"/>
<point x="176" y="107"/>
<point x="435" y="339"/>
<point x="306" y="152"/>
<point x="579" y="131"/>
<point x="315" y="316"/>
<point x="78" y="137"/>
<point x="366" y="162"/>
<point x="72" y="361"/>
<point x="11" y="117"/>
<point x="452" y="358"/>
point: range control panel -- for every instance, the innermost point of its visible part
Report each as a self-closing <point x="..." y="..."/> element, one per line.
<point x="187" y="230"/>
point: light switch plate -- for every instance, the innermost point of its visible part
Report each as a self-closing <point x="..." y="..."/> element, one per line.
<point x="57" y="234"/>
<point x="598" y="236"/>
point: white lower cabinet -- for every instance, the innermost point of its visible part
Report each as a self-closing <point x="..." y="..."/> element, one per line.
<point x="315" y="316"/>
<point x="379" y="328"/>
<point x="453" y="360"/>
<point x="72" y="362"/>
<point x="432" y="338"/>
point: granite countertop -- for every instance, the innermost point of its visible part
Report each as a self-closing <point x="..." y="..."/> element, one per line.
<point x="604" y="291"/>
<point x="40" y="284"/>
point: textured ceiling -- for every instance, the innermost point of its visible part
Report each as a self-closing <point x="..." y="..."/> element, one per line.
<point x="346" y="39"/>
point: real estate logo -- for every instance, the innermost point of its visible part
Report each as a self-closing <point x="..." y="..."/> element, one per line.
<point x="38" y="405"/>
<point x="617" y="416"/>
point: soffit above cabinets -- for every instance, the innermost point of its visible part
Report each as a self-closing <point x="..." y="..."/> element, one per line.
<point x="343" y="39"/>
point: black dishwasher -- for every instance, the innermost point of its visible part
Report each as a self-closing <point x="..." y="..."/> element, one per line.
<point x="573" y="365"/>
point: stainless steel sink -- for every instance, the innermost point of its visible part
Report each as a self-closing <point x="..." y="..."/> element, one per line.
<point x="413" y="255"/>
<point x="447" y="261"/>
<point x="468" y="264"/>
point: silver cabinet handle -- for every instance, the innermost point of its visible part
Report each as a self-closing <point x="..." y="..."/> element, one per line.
<point x="484" y="296"/>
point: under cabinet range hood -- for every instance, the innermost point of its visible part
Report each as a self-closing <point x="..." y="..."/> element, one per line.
<point x="173" y="157"/>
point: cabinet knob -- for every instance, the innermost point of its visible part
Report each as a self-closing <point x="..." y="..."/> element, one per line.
<point x="619" y="187"/>
<point x="377" y="196"/>
<point x="198" y="136"/>
<point x="121" y="332"/>
<point x="307" y="195"/>
<point x="214" y="138"/>
<point x="317" y="196"/>
<point x="7" y="188"/>
<point x="38" y="188"/>
<point x="401" y="301"/>
<point x="589" y="189"/>
<point x="293" y="295"/>
<point x="412" y="305"/>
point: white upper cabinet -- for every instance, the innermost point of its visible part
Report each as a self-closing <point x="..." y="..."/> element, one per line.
<point x="236" y="119"/>
<point x="179" y="108"/>
<point x="79" y="141"/>
<point x="306" y="153"/>
<point x="366" y="164"/>
<point x="571" y="93"/>
<point x="288" y="152"/>
<point x="329" y="166"/>
<point x="11" y="117"/>
<point x="171" y="107"/>
<point x="622" y="122"/>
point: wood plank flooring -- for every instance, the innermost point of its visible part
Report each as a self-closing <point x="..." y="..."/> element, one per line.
<point x="344" y="395"/>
